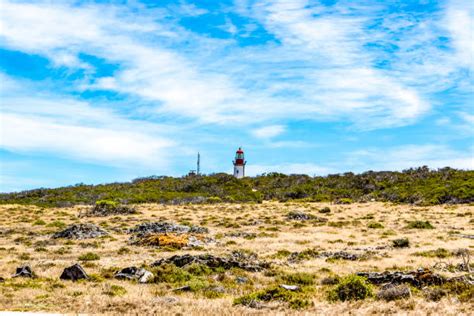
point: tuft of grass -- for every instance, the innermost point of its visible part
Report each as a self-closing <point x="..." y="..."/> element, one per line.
<point x="401" y="243"/>
<point x="438" y="253"/>
<point x="375" y="225"/>
<point x="115" y="290"/>
<point x="419" y="225"/>
<point x="352" y="287"/>
<point x="300" y="278"/>
<point x="90" y="256"/>
<point x="325" y="210"/>
<point x="295" y="299"/>
<point x="57" y="224"/>
<point x="39" y="222"/>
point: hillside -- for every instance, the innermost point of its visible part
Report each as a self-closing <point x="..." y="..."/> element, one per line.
<point x="420" y="186"/>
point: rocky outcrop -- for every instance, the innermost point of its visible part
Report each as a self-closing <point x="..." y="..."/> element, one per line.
<point x="81" y="231"/>
<point x="213" y="262"/>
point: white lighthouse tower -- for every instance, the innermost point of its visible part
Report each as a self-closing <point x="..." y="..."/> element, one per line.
<point x="239" y="164"/>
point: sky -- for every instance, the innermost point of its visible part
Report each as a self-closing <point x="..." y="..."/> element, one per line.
<point x="104" y="91"/>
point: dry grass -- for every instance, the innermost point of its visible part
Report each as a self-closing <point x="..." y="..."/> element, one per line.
<point x="25" y="238"/>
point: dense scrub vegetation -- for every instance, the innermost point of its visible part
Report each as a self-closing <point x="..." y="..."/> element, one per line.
<point x="420" y="186"/>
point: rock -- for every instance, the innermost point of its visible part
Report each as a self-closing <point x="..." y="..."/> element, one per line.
<point x="244" y="235"/>
<point x="165" y="227"/>
<point x="421" y="277"/>
<point x="171" y="240"/>
<point x="241" y="280"/>
<point x="81" y="231"/>
<point x="182" y="289"/>
<point x="74" y="273"/>
<point x="344" y="255"/>
<point x="146" y="277"/>
<point x="330" y="280"/>
<point x="213" y="262"/>
<point x="301" y="216"/>
<point x="23" y="271"/>
<point x="2" y="280"/>
<point x="134" y="273"/>
<point x="394" y="292"/>
<point x="290" y="287"/>
<point x="465" y="236"/>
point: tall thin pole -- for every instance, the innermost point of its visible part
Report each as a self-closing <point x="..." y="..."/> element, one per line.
<point x="199" y="164"/>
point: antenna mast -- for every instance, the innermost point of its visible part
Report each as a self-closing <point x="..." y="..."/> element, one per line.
<point x="198" y="164"/>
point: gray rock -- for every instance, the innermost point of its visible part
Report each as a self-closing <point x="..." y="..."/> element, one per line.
<point x="421" y="277"/>
<point x="134" y="273"/>
<point x="241" y="280"/>
<point x="74" y="273"/>
<point x="290" y="287"/>
<point x="182" y="289"/>
<point x="165" y="227"/>
<point x="214" y="262"/>
<point x="81" y="231"/>
<point x="23" y="271"/>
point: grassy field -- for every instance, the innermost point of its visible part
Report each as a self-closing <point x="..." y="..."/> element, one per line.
<point x="366" y="229"/>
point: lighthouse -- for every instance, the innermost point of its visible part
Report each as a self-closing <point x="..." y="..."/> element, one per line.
<point x="239" y="164"/>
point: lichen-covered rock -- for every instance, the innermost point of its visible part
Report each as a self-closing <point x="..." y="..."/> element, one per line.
<point x="418" y="278"/>
<point x="134" y="273"/>
<point x="165" y="227"/>
<point x="74" y="273"/>
<point x="81" y="231"/>
<point x="213" y="262"/>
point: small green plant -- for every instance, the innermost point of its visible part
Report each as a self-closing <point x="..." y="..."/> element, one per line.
<point x="57" y="224"/>
<point x="39" y="222"/>
<point x="90" y="256"/>
<point x="419" y="225"/>
<point x="115" y="290"/>
<point x="438" y="253"/>
<point x="295" y="299"/>
<point x="325" y="210"/>
<point x="299" y="278"/>
<point x="401" y="243"/>
<point x="375" y="225"/>
<point x="352" y="287"/>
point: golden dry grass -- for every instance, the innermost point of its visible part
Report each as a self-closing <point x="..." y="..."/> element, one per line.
<point x="25" y="237"/>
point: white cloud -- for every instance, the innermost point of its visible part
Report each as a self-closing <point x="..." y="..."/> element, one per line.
<point x="205" y="82"/>
<point x="74" y="129"/>
<point x="268" y="131"/>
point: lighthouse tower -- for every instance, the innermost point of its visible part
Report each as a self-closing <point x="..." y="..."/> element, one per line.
<point x="239" y="164"/>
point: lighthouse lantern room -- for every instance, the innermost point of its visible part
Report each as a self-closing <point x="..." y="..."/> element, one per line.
<point x="239" y="164"/>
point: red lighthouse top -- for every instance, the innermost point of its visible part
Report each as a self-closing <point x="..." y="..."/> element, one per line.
<point x="239" y="157"/>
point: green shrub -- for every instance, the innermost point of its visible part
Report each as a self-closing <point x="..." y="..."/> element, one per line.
<point x="420" y="225"/>
<point x="375" y="225"/>
<point x="57" y="224"/>
<point x="438" y="253"/>
<point x="401" y="243"/>
<point x="169" y="273"/>
<point x="350" y="288"/>
<point x="115" y="290"/>
<point x="39" y="222"/>
<point x="299" y="278"/>
<point x="325" y="210"/>
<point x="295" y="299"/>
<point x="90" y="256"/>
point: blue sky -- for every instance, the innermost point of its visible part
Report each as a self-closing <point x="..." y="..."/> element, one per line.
<point x="103" y="91"/>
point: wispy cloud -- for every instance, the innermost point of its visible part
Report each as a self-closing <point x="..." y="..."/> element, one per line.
<point x="268" y="131"/>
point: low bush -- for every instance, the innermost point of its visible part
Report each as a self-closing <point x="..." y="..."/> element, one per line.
<point x="375" y="225"/>
<point x="350" y="288"/>
<point x="90" y="256"/>
<point x="419" y="225"/>
<point x="401" y="243"/>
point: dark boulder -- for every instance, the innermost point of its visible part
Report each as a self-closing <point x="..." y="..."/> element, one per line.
<point x="74" y="273"/>
<point x="23" y="271"/>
